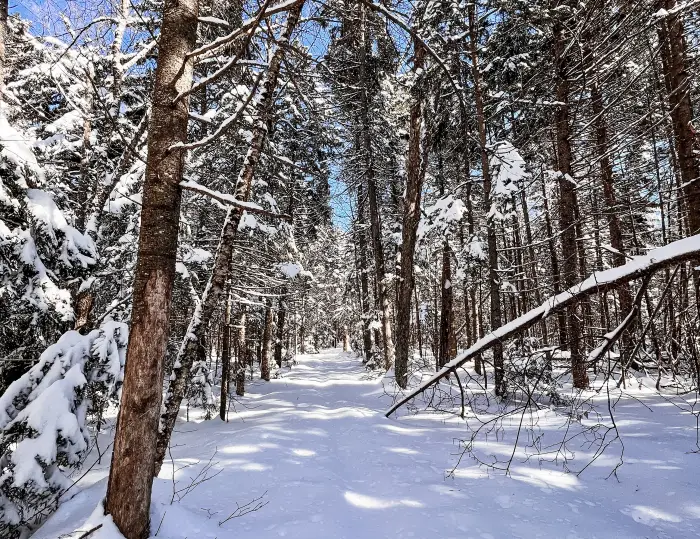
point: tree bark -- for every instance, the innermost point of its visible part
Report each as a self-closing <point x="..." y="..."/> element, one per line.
<point x="364" y="280"/>
<point x="214" y="289"/>
<point x="242" y="355"/>
<point x="226" y="358"/>
<point x="491" y="240"/>
<point x="448" y="344"/>
<point x="266" y="344"/>
<point x="567" y="205"/>
<point x="281" y="319"/>
<point x="134" y="456"/>
<point x="674" y="51"/>
<point x="415" y="174"/>
<point x="375" y="220"/>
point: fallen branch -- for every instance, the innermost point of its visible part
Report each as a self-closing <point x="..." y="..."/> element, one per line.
<point x="612" y="337"/>
<point x="642" y="266"/>
<point x="253" y="505"/>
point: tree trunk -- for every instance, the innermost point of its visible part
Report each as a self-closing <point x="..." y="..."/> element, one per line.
<point x="567" y="206"/>
<point x="242" y="355"/>
<point x="491" y="240"/>
<point x="448" y="347"/>
<point x="674" y="51"/>
<point x="134" y="456"/>
<point x="364" y="280"/>
<point x="415" y="174"/>
<point x="375" y="220"/>
<point x="266" y="344"/>
<point x="281" y="318"/>
<point x="214" y="289"/>
<point x="226" y="357"/>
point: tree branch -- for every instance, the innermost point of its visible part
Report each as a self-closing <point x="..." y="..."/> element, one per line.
<point x="229" y="200"/>
<point x="642" y="266"/>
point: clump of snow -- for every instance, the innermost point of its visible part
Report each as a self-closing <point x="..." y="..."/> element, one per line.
<point x="16" y="149"/>
<point x="76" y="247"/>
<point x="508" y="169"/>
<point x="445" y="213"/>
<point x="292" y="270"/>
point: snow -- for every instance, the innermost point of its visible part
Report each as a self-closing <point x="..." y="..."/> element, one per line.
<point x="315" y="445"/>
<point x="43" y="208"/>
<point x="509" y="169"/>
<point x="213" y="20"/>
<point x="594" y="281"/>
<point x="50" y="414"/>
<point x="16" y="149"/>
<point x="48" y="403"/>
<point x="446" y="212"/>
<point x="293" y="269"/>
<point x="216" y="195"/>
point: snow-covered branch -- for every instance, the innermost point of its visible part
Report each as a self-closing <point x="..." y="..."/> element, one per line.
<point x="230" y="200"/>
<point x="673" y="253"/>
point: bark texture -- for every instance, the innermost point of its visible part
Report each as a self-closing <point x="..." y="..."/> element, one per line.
<point x="266" y="344"/>
<point x="415" y="174"/>
<point x="226" y="359"/>
<point x="364" y="51"/>
<point x="133" y="459"/>
<point x="567" y="206"/>
<point x="212" y="293"/>
<point x="491" y="240"/>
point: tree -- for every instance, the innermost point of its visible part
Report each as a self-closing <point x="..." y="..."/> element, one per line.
<point x="133" y="460"/>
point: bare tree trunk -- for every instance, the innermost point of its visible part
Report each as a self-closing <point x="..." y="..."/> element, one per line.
<point x="266" y="344"/>
<point x="364" y="281"/>
<point x="375" y="219"/>
<point x="134" y="456"/>
<point x="214" y="289"/>
<point x="242" y="355"/>
<point x="533" y="259"/>
<point x="346" y="339"/>
<point x="674" y="52"/>
<point x="448" y="342"/>
<point x="281" y="319"/>
<point x="567" y="206"/>
<point x="419" y="334"/>
<point x="226" y="357"/>
<point x="491" y="240"/>
<point x="448" y="345"/>
<point x="415" y="174"/>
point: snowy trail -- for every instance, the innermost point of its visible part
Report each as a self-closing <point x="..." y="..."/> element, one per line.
<point x="316" y="445"/>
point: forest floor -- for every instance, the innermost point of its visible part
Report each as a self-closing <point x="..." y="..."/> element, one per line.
<point x="316" y="449"/>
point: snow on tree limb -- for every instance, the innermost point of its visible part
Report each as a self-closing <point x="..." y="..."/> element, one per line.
<point x="673" y="253"/>
<point x="229" y="200"/>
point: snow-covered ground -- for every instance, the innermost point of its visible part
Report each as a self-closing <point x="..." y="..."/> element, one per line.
<point x="315" y="447"/>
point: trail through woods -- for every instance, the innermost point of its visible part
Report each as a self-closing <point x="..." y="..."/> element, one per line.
<point x="315" y="445"/>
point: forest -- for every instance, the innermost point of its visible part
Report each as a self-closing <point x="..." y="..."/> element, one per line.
<point x="349" y="268"/>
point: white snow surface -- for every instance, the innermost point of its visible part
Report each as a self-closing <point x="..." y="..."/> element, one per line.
<point x="315" y="445"/>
